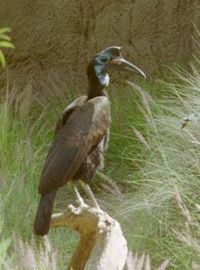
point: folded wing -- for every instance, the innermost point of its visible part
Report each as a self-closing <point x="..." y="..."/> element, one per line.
<point x="83" y="130"/>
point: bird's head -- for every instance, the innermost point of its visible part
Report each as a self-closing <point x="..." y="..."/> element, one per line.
<point x="110" y="57"/>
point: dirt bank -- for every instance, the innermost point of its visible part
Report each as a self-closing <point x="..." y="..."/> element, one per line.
<point x="55" y="39"/>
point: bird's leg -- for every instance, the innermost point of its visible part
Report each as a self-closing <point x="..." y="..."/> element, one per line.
<point x="78" y="196"/>
<point x="90" y="194"/>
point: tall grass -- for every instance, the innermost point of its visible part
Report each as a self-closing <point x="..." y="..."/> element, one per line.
<point x="168" y="161"/>
<point x="24" y="141"/>
<point x="150" y="158"/>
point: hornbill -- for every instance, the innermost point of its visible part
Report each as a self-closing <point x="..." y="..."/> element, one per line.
<point x="81" y="137"/>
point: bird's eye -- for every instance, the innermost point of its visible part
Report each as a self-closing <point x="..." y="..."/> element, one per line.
<point x="104" y="59"/>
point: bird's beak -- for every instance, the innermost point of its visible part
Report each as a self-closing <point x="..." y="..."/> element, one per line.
<point x="124" y="64"/>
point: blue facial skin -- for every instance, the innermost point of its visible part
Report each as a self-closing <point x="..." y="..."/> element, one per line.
<point x="102" y="76"/>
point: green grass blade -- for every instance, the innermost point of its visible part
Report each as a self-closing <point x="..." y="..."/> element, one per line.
<point x="2" y="59"/>
<point x="5" y="30"/>
<point x="5" y="37"/>
<point x="6" y="44"/>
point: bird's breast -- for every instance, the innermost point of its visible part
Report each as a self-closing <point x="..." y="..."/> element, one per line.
<point x="94" y="161"/>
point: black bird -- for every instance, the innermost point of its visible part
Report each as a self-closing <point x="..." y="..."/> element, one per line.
<point x="81" y="136"/>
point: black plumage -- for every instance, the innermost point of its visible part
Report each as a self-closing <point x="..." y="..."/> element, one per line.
<point x="81" y="136"/>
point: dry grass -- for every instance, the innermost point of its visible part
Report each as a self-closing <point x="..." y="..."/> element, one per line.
<point x="154" y="161"/>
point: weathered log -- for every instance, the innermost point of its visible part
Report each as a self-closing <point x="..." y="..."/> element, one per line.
<point x="97" y="230"/>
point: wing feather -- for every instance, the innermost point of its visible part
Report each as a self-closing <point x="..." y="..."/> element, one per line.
<point x="83" y="130"/>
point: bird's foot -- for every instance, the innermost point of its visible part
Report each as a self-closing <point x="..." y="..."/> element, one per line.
<point x="81" y="203"/>
<point x="90" y="194"/>
<point x="79" y="199"/>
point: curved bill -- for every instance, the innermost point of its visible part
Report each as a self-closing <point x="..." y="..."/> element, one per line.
<point x="124" y="64"/>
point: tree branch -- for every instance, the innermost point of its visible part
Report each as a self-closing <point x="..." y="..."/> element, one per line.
<point x="97" y="231"/>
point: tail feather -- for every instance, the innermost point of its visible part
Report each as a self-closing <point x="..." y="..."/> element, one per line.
<point x="44" y="212"/>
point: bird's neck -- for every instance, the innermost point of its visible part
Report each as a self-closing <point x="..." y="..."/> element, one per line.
<point x="97" y="82"/>
<point x="93" y="91"/>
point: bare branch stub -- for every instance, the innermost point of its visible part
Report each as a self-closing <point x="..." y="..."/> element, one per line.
<point x="96" y="229"/>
